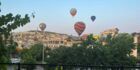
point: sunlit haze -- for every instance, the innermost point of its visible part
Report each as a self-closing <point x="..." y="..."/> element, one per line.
<point x="123" y="14"/>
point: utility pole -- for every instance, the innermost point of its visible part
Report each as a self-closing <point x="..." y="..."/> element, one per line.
<point x="42" y="27"/>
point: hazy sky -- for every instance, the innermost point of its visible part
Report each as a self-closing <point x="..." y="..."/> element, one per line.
<point x="123" y="14"/>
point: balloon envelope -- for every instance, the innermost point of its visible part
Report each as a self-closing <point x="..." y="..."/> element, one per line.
<point x="42" y="26"/>
<point x="93" y="18"/>
<point x="79" y="27"/>
<point x="73" y="11"/>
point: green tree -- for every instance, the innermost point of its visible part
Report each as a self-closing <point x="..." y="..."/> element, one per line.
<point x="121" y="48"/>
<point x="27" y="58"/>
<point x="8" y="23"/>
<point x="32" y="55"/>
<point x="116" y="52"/>
<point x="138" y="49"/>
<point x="36" y="51"/>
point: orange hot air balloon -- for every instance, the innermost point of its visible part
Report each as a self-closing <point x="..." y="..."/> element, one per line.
<point x="79" y="27"/>
<point x="73" y="11"/>
<point x="42" y="26"/>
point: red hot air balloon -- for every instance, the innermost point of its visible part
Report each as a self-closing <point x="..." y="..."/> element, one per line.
<point x="79" y="27"/>
<point x="73" y="11"/>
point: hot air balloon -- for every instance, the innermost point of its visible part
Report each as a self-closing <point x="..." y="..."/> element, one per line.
<point x="42" y="26"/>
<point x="93" y="18"/>
<point x="79" y="27"/>
<point x="73" y="11"/>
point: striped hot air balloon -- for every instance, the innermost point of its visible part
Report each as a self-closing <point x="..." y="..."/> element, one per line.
<point x="79" y="27"/>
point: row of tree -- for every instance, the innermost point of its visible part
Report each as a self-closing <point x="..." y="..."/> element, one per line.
<point x="116" y="52"/>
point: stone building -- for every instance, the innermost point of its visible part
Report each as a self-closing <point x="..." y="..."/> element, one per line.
<point x="136" y="37"/>
<point x="49" y="39"/>
<point x="112" y="31"/>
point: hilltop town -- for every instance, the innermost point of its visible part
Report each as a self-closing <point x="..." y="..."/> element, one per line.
<point x="55" y="40"/>
<point x="49" y="39"/>
<point x="52" y="39"/>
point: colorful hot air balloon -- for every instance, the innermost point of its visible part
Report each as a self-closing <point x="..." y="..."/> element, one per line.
<point x="79" y="27"/>
<point x="93" y="18"/>
<point x="73" y="11"/>
<point x="42" y="26"/>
